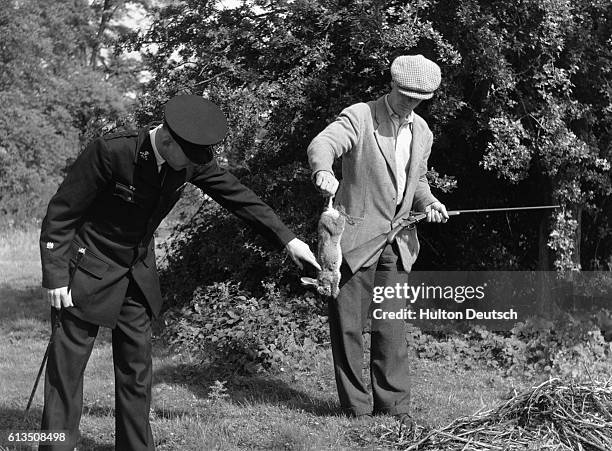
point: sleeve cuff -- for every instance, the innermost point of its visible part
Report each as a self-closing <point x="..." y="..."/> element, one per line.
<point x="286" y="236"/>
<point x="315" y="172"/>
<point x="422" y="205"/>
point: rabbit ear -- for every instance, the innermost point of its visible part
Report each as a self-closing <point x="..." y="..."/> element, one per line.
<point x="309" y="281"/>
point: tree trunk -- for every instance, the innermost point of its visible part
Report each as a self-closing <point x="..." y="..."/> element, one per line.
<point x="108" y="9"/>
<point x="577" y="236"/>
<point x="544" y="271"/>
<point x="546" y="305"/>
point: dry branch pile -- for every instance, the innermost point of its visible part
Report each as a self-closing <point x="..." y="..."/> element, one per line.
<point x="552" y="416"/>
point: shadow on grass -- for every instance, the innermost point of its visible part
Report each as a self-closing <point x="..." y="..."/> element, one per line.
<point x="87" y="443"/>
<point x="26" y="315"/>
<point x="270" y="390"/>
<point x="22" y="302"/>
<point x="12" y="419"/>
<point x="15" y="420"/>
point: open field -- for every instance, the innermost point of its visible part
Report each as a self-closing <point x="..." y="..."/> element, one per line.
<point x="290" y="410"/>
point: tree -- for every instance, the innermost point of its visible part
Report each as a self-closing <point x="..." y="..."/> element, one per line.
<point x="514" y="121"/>
<point x="52" y="101"/>
<point x="528" y="64"/>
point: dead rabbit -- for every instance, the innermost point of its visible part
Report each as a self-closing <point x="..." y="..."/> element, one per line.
<point x="330" y="228"/>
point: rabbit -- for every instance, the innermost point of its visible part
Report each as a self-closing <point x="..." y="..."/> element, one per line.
<point x="330" y="229"/>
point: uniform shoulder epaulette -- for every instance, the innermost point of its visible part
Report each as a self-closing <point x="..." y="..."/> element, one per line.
<point x="120" y="134"/>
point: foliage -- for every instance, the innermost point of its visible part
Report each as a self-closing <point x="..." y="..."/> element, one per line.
<point x="225" y="323"/>
<point x="562" y="347"/>
<point x="561" y="240"/>
<point x="218" y="393"/>
<point x="28" y="142"/>
<point x="520" y="119"/>
<point x="514" y="121"/>
<point x="523" y="114"/>
<point x="276" y="98"/>
<point x="52" y="100"/>
<point x="537" y="71"/>
<point x="211" y="246"/>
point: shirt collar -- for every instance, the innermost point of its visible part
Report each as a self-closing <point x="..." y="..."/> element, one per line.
<point x="394" y="115"/>
<point x="160" y="160"/>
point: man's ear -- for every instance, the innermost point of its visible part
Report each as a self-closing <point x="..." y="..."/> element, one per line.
<point x="166" y="139"/>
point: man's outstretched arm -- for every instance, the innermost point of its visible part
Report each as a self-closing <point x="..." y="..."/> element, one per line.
<point x="227" y="190"/>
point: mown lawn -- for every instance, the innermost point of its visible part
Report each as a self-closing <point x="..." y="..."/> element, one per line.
<point x="290" y="410"/>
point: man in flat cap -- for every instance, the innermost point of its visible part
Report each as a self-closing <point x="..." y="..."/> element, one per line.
<point x="384" y="147"/>
<point x="98" y="258"/>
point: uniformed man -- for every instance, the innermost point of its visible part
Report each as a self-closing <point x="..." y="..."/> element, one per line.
<point x="98" y="259"/>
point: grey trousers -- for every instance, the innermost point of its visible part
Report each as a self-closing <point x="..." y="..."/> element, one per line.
<point x="389" y="362"/>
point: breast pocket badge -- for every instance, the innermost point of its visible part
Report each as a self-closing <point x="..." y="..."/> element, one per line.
<point x="125" y="192"/>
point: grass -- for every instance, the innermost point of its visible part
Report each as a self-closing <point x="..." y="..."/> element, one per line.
<point x="18" y="245"/>
<point x="291" y="410"/>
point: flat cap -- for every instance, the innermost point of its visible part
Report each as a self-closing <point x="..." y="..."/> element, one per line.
<point x="415" y="76"/>
<point x="195" y="124"/>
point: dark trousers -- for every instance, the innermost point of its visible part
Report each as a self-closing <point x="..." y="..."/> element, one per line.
<point x="68" y="357"/>
<point x="389" y="363"/>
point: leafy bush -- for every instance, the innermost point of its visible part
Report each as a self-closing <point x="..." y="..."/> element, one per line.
<point x="564" y="346"/>
<point x="214" y="246"/>
<point x="225" y="323"/>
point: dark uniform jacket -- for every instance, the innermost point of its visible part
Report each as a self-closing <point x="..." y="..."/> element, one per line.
<point x="110" y="204"/>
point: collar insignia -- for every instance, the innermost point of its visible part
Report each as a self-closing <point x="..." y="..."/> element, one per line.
<point x="143" y="154"/>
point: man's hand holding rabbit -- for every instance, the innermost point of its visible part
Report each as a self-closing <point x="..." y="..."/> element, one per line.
<point x="326" y="183"/>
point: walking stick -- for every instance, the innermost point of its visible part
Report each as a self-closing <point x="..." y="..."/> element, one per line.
<point x="56" y="324"/>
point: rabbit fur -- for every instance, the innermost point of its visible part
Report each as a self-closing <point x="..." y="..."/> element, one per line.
<point x="330" y="228"/>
